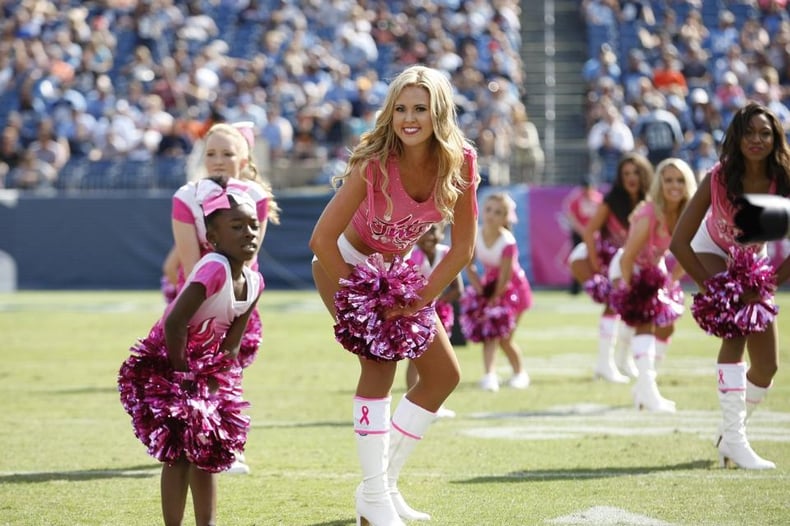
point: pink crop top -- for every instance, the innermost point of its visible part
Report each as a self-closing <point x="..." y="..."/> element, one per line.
<point x="615" y="231"/>
<point x="658" y="239"/>
<point x="720" y="220"/>
<point x="396" y="228"/>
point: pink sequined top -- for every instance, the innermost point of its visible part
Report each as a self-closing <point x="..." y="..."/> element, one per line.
<point x="393" y="227"/>
<point x="658" y="238"/>
<point x="720" y="220"/>
<point x="615" y="231"/>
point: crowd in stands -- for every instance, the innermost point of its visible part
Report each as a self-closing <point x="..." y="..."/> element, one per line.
<point x="137" y="82"/>
<point x="664" y="77"/>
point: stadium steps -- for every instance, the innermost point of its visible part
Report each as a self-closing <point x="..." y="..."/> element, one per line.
<point x="557" y="108"/>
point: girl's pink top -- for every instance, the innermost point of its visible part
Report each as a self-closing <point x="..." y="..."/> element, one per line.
<point x="720" y="219"/>
<point x="491" y="257"/>
<point x="399" y="228"/>
<point x="658" y="238"/>
<point x="221" y="306"/>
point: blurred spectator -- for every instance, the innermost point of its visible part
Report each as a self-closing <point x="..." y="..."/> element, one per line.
<point x="528" y="159"/>
<point x="724" y="35"/>
<point x="762" y="93"/>
<point x="729" y="96"/>
<point x="10" y="152"/>
<point x="667" y="75"/>
<point x="48" y="147"/>
<point x="704" y="156"/>
<point x="31" y="173"/>
<point x="636" y="69"/>
<point x="657" y="132"/>
<point x="608" y="140"/>
<point x="278" y="132"/>
<point x="604" y="65"/>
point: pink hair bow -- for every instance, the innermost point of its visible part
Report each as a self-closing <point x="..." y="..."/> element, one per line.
<point x="216" y="202"/>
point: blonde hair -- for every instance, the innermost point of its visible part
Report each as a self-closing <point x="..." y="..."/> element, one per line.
<point x="249" y="172"/>
<point x="656" y="191"/>
<point x="448" y="139"/>
<point x="509" y="205"/>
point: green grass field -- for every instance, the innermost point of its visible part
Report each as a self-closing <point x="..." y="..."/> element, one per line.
<point x="568" y="450"/>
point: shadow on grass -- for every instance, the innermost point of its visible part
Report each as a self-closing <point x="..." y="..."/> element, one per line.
<point x="335" y="523"/>
<point x="141" y="471"/>
<point x="581" y="473"/>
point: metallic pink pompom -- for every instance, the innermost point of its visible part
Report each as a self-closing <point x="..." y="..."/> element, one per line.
<point x="598" y="287"/>
<point x="372" y="288"/>
<point x="644" y="300"/>
<point x="720" y="310"/>
<point x="446" y="315"/>
<point x="194" y="414"/>
<point x="251" y="340"/>
<point x="481" y="319"/>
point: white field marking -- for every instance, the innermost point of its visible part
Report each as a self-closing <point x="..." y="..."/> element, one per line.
<point x="579" y="364"/>
<point x="606" y="516"/>
<point x="585" y="420"/>
<point x="590" y="333"/>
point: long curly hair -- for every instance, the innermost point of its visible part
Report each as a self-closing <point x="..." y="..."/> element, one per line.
<point x="448" y="141"/>
<point x="733" y="162"/>
<point x="618" y="199"/>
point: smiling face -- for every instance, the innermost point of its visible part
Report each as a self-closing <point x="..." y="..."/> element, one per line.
<point x="757" y="141"/>
<point x="495" y="213"/>
<point x="223" y="157"/>
<point x="411" y="118"/>
<point x="673" y="185"/>
<point x="630" y="177"/>
<point x="234" y="232"/>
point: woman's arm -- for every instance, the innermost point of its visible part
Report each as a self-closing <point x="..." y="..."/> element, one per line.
<point x="186" y="243"/>
<point x="638" y="237"/>
<point x="232" y="341"/>
<point x="463" y="234"/>
<point x="333" y="221"/>
<point x="177" y="322"/>
<point x="588" y="234"/>
<point x="170" y="266"/>
<point x="687" y="226"/>
<point x="453" y="292"/>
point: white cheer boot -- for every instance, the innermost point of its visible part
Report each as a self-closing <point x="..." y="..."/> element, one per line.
<point x="734" y="448"/>
<point x="646" y="395"/>
<point x="371" y="424"/>
<point x="409" y="424"/>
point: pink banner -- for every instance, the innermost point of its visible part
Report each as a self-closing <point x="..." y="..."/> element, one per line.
<point x="549" y="236"/>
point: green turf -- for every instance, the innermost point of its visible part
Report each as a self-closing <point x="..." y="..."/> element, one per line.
<point x="565" y="446"/>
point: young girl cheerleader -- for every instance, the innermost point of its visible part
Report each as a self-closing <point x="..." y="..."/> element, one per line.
<point x="644" y="294"/>
<point x="413" y="169"/>
<point x="493" y="304"/>
<point x="426" y="255"/>
<point x="182" y="383"/>
<point x="228" y="164"/>
<point x="589" y="261"/>
<point x="736" y="279"/>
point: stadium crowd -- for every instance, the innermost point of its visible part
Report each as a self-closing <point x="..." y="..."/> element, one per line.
<point x="138" y="82"/>
<point x="664" y="77"/>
